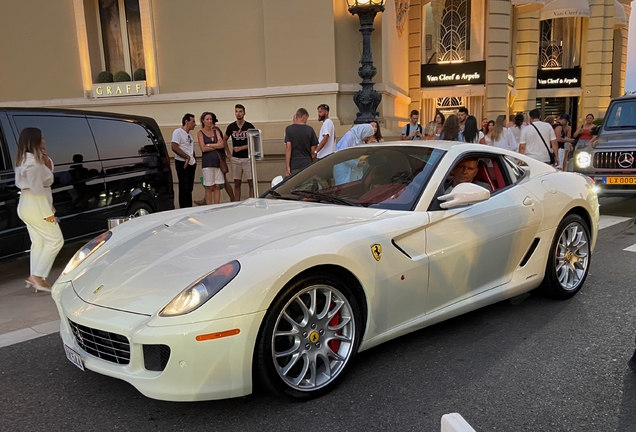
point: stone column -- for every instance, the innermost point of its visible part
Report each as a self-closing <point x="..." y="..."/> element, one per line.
<point x="497" y="58"/>
<point x="598" y="43"/>
<point x="527" y="61"/>
<point x="415" y="54"/>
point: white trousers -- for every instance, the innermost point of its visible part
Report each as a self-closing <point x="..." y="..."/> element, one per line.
<point x="46" y="237"/>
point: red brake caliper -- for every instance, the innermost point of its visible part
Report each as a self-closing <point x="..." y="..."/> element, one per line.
<point x="334" y="344"/>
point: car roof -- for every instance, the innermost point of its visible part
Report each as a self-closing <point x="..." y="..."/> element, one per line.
<point x="435" y="144"/>
<point x="34" y="110"/>
<point x="626" y="97"/>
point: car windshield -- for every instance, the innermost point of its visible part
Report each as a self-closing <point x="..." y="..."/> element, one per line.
<point x="385" y="177"/>
<point x="622" y="115"/>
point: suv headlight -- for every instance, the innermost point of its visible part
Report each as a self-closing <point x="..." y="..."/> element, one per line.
<point x="583" y="159"/>
<point x="86" y="251"/>
<point x="201" y="291"/>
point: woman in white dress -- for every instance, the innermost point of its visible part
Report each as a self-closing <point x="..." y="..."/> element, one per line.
<point x="471" y="133"/>
<point x="34" y="177"/>
<point x="487" y="139"/>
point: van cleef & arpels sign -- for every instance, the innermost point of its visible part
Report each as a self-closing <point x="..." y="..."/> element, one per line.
<point x="451" y="74"/>
<point x="127" y="88"/>
<point x="558" y="78"/>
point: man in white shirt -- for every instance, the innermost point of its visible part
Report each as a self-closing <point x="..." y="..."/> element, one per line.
<point x="184" y="161"/>
<point x="532" y="139"/>
<point x="327" y="136"/>
<point x="412" y="131"/>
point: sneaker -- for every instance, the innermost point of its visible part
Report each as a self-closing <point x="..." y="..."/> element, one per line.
<point x="200" y="202"/>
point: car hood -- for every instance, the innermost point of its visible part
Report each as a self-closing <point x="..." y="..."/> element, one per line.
<point x="141" y="272"/>
<point x="624" y="140"/>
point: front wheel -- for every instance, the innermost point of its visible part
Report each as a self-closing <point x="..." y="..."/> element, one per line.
<point x="309" y="337"/>
<point x="569" y="259"/>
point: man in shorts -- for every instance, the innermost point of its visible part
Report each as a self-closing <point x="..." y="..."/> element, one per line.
<point x="240" y="157"/>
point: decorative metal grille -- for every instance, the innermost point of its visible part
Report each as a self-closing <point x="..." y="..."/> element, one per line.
<point x="450" y="102"/>
<point x="453" y="32"/>
<point x="551" y="54"/>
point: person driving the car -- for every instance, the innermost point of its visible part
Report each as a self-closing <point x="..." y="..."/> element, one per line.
<point x="464" y="172"/>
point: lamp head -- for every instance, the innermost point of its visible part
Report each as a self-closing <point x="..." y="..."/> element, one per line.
<point x="356" y="6"/>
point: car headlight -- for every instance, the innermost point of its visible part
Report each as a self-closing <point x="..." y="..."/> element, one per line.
<point x="201" y="291"/>
<point x="86" y="251"/>
<point x="583" y="159"/>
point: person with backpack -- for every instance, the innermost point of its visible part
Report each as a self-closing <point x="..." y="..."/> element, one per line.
<point x="412" y="130"/>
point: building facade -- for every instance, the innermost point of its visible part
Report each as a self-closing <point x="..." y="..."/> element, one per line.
<point x="168" y="58"/>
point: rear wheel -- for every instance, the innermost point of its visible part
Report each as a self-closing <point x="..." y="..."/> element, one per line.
<point x="309" y="337"/>
<point x="139" y="208"/>
<point x="569" y="259"/>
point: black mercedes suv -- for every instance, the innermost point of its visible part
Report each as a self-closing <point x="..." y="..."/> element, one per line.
<point x="609" y="158"/>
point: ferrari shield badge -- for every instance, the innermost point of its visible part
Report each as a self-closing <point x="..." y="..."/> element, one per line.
<point x="376" y="250"/>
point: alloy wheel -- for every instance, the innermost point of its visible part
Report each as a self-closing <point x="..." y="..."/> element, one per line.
<point x="313" y="338"/>
<point x="572" y="256"/>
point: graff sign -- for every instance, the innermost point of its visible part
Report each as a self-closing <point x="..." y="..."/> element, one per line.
<point x="129" y="88"/>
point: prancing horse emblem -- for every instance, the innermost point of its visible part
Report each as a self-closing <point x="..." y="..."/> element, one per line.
<point x="98" y="288"/>
<point x="376" y="250"/>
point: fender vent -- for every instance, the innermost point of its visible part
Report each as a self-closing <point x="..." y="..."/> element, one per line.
<point x="533" y="247"/>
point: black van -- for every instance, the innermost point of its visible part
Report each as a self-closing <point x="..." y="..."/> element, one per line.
<point x="106" y="165"/>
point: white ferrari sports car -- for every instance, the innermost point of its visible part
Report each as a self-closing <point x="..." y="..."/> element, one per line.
<point x="284" y="290"/>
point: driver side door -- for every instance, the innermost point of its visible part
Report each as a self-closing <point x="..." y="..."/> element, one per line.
<point x="477" y="247"/>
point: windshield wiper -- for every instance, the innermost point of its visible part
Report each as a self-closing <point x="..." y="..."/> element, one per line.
<point x="323" y="197"/>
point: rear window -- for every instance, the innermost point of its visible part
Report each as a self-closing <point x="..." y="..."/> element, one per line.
<point x="622" y="115"/>
<point x="121" y="139"/>
<point x="64" y="136"/>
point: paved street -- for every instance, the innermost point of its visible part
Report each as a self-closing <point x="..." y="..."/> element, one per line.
<point x="528" y="364"/>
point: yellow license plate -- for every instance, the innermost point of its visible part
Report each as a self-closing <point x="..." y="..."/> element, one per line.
<point x="620" y="180"/>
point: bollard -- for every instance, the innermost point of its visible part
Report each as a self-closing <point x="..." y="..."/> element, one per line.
<point x="455" y="423"/>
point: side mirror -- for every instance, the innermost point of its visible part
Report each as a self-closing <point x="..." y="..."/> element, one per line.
<point x="276" y="180"/>
<point x="464" y="193"/>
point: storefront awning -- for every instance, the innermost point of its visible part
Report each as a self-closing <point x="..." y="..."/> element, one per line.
<point x="454" y="91"/>
<point x="565" y="9"/>
<point x="527" y="6"/>
<point x="620" y="17"/>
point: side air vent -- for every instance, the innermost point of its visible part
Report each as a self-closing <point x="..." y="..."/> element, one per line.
<point x="533" y="247"/>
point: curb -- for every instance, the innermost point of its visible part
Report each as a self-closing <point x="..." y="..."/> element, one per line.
<point x="26" y="334"/>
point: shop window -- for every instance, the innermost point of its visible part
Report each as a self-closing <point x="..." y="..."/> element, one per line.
<point x="450" y="102"/>
<point x="120" y="35"/>
<point x="560" y="43"/>
<point x="448" y="31"/>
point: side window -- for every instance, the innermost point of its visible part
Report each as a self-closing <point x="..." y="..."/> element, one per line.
<point x="118" y="139"/>
<point x="515" y="172"/>
<point x="64" y="136"/>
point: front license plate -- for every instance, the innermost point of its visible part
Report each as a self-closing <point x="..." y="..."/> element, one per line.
<point x="74" y="357"/>
<point x="619" y="180"/>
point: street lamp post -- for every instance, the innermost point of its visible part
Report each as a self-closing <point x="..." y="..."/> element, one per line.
<point x="366" y="99"/>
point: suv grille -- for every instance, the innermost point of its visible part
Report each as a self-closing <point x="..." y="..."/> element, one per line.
<point x="107" y="346"/>
<point x="613" y="160"/>
<point x="156" y="357"/>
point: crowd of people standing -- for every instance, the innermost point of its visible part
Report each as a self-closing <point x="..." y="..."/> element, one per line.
<point x="550" y="140"/>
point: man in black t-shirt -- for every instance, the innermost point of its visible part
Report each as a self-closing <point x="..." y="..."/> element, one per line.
<point x="300" y="143"/>
<point x="240" y="157"/>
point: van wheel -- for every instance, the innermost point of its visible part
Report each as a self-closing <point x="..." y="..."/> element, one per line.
<point x="139" y="208"/>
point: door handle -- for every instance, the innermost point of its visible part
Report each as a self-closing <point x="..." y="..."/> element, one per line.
<point x="528" y="201"/>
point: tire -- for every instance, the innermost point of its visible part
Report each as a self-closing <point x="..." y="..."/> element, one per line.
<point x="569" y="259"/>
<point x="139" y="208"/>
<point x="304" y="348"/>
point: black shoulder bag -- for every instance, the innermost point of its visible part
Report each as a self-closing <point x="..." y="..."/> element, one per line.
<point x="544" y="143"/>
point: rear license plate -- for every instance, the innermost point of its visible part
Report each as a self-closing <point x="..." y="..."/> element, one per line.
<point x="619" y="180"/>
<point x="74" y="357"/>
